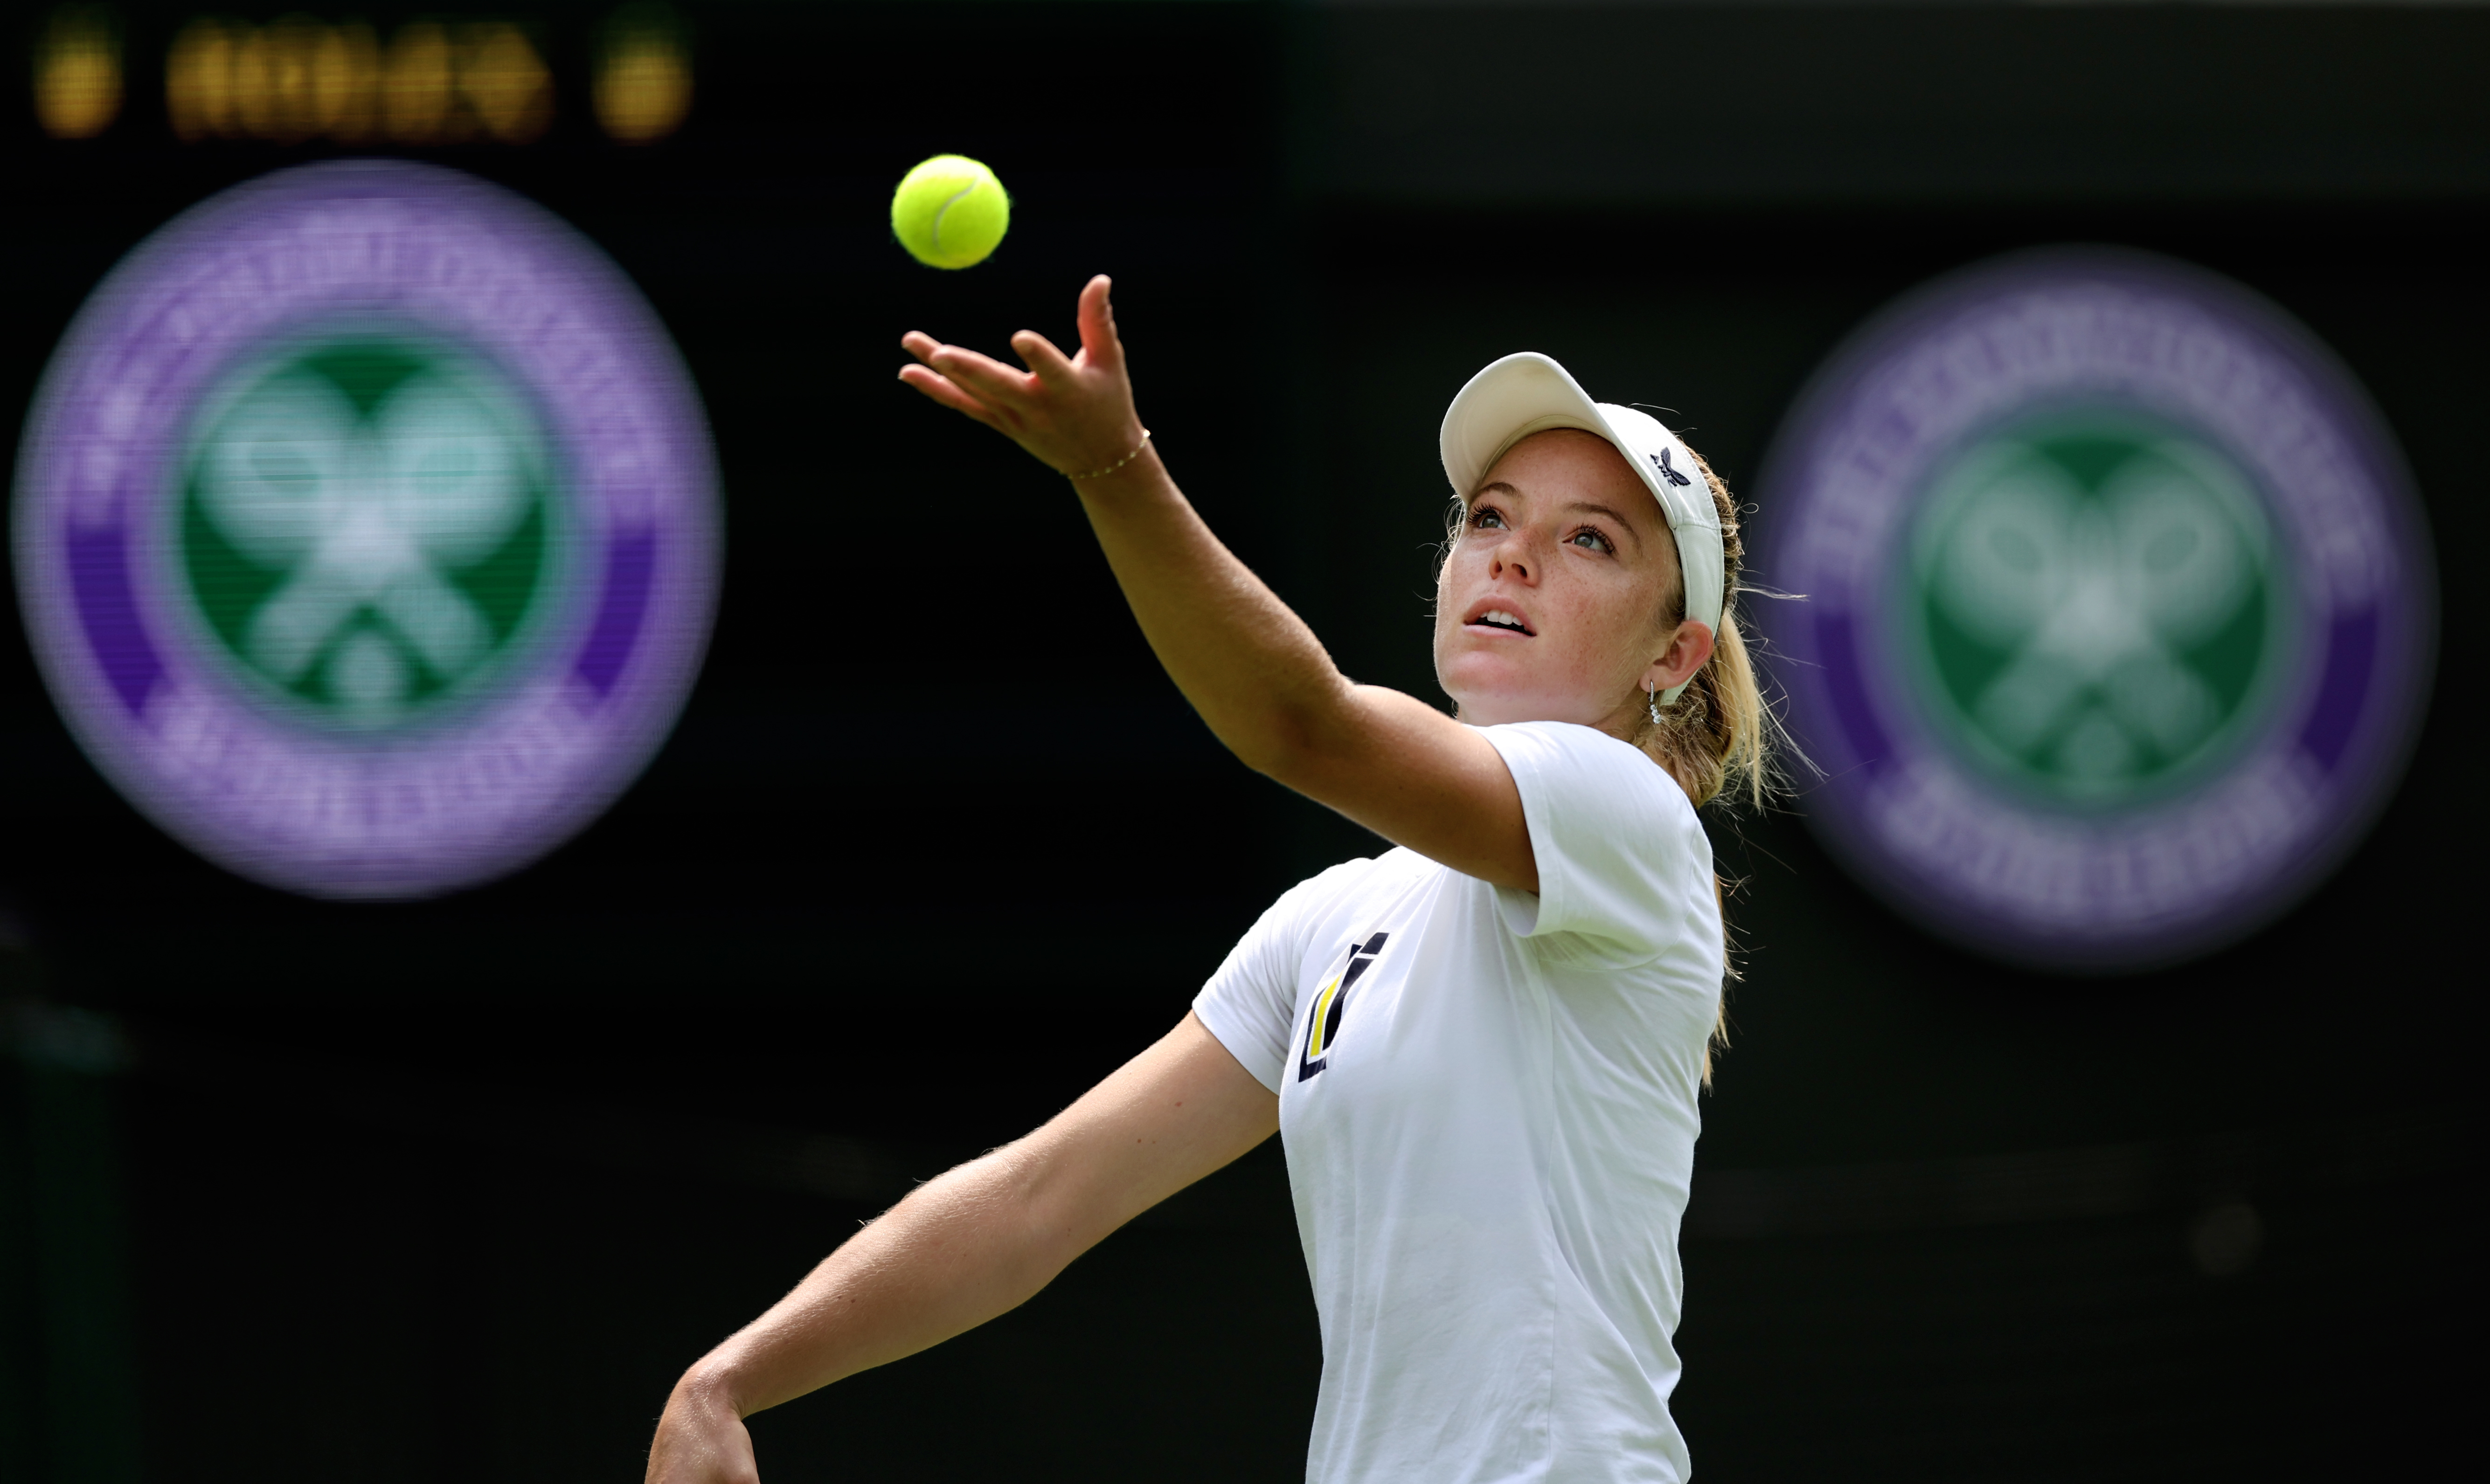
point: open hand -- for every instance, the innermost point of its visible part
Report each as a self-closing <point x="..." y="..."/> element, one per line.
<point x="1073" y="414"/>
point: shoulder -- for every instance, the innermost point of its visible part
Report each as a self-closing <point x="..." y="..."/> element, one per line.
<point x="1565" y="765"/>
<point x="1621" y="856"/>
<point x="1354" y="879"/>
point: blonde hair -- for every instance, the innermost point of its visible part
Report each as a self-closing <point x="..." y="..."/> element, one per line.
<point x="1717" y="737"/>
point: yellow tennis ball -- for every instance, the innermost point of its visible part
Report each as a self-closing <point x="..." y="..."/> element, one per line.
<point x="950" y="212"/>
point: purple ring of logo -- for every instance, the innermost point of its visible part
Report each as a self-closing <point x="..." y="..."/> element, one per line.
<point x="2175" y="877"/>
<point x="504" y="280"/>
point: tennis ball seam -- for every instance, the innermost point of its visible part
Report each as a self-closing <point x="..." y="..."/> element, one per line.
<point x="945" y="210"/>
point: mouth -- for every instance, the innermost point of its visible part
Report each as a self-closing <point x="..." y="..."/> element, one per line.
<point x="1501" y="620"/>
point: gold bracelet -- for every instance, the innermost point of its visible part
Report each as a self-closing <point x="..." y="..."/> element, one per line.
<point x="1099" y="473"/>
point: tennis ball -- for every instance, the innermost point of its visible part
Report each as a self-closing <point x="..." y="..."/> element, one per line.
<point x="950" y="212"/>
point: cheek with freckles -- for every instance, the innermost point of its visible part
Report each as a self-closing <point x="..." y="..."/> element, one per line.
<point x="1595" y="652"/>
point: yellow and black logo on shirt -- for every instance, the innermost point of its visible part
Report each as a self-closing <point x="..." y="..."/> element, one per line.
<point x="1323" y="1022"/>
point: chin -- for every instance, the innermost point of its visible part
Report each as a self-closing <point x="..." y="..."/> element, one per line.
<point x="1492" y="705"/>
<point x="1509" y="683"/>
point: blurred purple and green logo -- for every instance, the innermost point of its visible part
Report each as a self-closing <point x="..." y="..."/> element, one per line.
<point x="367" y="532"/>
<point x="2118" y="611"/>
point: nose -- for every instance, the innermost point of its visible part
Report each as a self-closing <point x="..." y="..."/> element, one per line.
<point x="1510" y="557"/>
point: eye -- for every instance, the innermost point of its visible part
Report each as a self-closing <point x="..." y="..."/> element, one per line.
<point x="1486" y="518"/>
<point x="1591" y="540"/>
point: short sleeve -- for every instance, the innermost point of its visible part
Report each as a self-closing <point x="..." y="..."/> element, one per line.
<point x="1251" y="1003"/>
<point x="1622" y="858"/>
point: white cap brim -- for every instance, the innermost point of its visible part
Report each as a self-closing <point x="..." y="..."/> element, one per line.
<point x="1528" y="393"/>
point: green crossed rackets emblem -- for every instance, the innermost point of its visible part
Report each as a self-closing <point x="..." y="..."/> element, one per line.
<point x="2094" y="604"/>
<point x="364" y="527"/>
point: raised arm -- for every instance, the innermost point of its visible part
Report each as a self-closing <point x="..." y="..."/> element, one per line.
<point x="1251" y="667"/>
<point x="971" y="1244"/>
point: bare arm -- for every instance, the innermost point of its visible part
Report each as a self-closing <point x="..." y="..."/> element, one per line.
<point x="1251" y="667"/>
<point x="971" y="1244"/>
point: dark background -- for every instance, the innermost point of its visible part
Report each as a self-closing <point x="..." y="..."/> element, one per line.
<point x="292" y="1190"/>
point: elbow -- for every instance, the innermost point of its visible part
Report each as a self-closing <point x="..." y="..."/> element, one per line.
<point x="1042" y="1206"/>
<point x="713" y="1383"/>
<point x="1281" y="764"/>
<point x="1291" y="745"/>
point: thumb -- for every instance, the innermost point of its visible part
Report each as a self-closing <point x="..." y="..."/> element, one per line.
<point x="1100" y="345"/>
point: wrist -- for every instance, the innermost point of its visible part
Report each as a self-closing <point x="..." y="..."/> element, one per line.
<point x="1136" y="443"/>
<point x="1135" y="480"/>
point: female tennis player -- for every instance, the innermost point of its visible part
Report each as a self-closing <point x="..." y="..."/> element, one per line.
<point x="1483" y="1047"/>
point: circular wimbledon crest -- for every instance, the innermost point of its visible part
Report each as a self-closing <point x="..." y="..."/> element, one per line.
<point x="367" y="532"/>
<point x="2117" y="611"/>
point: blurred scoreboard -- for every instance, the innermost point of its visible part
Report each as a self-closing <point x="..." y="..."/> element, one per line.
<point x="301" y="77"/>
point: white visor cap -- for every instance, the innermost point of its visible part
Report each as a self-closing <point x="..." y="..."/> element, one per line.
<point x="1528" y="393"/>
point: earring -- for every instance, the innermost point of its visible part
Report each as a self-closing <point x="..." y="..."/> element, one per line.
<point x="1651" y="694"/>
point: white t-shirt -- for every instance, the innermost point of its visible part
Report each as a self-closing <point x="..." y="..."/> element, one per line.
<point x="1489" y="1104"/>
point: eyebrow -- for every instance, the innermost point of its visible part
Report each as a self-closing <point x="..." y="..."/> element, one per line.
<point x="1617" y="516"/>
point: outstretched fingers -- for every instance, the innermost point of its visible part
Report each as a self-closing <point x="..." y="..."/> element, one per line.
<point x="1100" y="346"/>
<point x="942" y="390"/>
<point x="988" y="379"/>
<point x="919" y="344"/>
<point x="1047" y="365"/>
<point x="1070" y="411"/>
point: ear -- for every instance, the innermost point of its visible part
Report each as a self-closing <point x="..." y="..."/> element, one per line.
<point x="1688" y="648"/>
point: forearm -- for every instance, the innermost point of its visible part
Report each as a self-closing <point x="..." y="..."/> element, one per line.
<point x="981" y="1240"/>
<point x="960" y="1250"/>
<point x="1250" y="666"/>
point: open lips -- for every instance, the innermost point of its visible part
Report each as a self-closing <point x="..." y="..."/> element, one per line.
<point x="1493" y="616"/>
